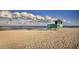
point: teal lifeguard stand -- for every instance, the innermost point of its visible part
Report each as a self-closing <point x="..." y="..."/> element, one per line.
<point x="58" y="25"/>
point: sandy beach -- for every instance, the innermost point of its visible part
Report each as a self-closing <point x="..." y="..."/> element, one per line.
<point x="67" y="38"/>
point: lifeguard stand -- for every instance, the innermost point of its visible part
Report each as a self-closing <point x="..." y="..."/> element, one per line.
<point x="58" y="25"/>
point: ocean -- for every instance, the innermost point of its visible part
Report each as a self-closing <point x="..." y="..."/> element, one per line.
<point x="30" y="27"/>
<point x="21" y="27"/>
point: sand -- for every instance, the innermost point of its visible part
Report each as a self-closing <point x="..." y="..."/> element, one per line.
<point x="67" y="38"/>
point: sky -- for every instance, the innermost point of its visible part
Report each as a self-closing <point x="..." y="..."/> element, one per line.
<point x="69" y="15"/>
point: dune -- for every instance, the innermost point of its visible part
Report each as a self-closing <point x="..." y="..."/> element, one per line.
<point x="67" y="38"/>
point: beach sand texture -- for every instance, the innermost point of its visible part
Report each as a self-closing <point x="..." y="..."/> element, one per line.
<point x="38" y="39"/>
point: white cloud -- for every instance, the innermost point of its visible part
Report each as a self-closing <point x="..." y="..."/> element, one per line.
<point x="68" y="22"/>
<point x="23" y="13"/>
<point x="64" y="20"/>
<point x="16" y="14"/>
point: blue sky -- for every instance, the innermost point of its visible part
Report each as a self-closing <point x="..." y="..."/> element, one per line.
<point x="69" y="15"/>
